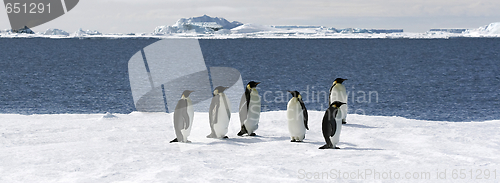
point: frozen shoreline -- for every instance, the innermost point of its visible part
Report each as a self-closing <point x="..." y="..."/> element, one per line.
<point x="134" y="147"/>
<point x="259" y="36"/>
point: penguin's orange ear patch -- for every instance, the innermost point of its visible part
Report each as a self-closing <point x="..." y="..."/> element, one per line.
<point x="31" y="13"/>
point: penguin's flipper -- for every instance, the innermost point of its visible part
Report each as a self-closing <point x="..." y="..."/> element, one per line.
<point x="334" y="128"/>
<point x="329" y="96"/>
<point x="304" y="112"/>
<point x="247" y="97"/>
<point x="334" y="122"/>
<point x="182" y="117"/>
<point x="243" y="109"/>
<point x="228" y="111"/>
<point x="214" y="110"/>
<point x="180" y="114"/>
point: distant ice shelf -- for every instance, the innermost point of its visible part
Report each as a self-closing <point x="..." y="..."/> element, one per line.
<point x="206" y="27"/>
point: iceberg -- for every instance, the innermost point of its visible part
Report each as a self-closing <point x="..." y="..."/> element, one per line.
<point x="25" y="30"/>
<point x="204" y="24"/>
<point x="252" y="28"/>
<point x="55" y="32"/>
<point x="492" y="28"/>
<point x="81" y="32"/>
<point x="457" y="31"/>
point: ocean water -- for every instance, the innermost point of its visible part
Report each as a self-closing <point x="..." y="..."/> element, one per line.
<point x="430" y="79"/>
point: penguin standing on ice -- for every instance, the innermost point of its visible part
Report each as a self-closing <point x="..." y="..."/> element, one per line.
<point x="219" y="113"/>
<point x="250" y="109"/>
<point x="297" y="117"/>
<point x="183" y="117"/>
<point x="338" y="93"/>
<point x="332" y="125"/>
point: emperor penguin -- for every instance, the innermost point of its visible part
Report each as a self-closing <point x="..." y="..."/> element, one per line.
<point x="219" y="113"/>
<point x="183" y="117"/>
<point x="297" y="117"/>
<point x="338" y="93"/>
<point x="332" y="125"/>
<point x="250" y="109"/>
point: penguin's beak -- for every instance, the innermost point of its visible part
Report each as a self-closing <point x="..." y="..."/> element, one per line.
<point x="289" y="91"/>
<point x="257" y="83"/>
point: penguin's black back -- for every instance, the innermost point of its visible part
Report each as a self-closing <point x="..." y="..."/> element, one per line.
<point x="329" y="124"/>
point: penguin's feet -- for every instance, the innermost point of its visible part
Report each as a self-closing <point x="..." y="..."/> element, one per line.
<point x="326" y="146"/>
<point x="253" y="134"/>
<point x="336" y="147"/>
<point x="225" y="137"/>
<point x="242" y="131"/>
<point x="187" y="141"/>
<point x="211" y="136"/>
<point x="175" y="140"/>
<point x="343" y="122"/>
<point x="293" y="140"/>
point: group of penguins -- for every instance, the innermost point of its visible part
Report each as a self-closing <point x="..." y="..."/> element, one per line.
<point x="249" y="113"/>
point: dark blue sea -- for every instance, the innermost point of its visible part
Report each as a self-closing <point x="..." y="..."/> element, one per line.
<point x="454" y="79"/>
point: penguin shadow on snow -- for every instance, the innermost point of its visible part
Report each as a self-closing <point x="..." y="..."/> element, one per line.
<point x="355" y="147"/>
<point x="357" y="125"/>
<point x="244" y="140"/>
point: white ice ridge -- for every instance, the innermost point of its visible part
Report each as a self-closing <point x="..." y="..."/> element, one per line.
<point x="206" y="27"/>
<point x="135" y="148"/>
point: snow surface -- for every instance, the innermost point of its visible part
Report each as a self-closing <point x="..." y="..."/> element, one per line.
<point x="134" y="148"/>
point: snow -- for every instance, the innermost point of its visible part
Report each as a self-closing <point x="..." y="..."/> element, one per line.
<point x="134" y="148"/>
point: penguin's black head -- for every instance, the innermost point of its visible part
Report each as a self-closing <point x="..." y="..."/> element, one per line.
<point x="337" y="104"/>
<point x="339" y="80"/>
<point x="252" y="84"/>
<point x="219" y="89"/>
<point x="294" y="93"/>
<point x="186" y="93"/>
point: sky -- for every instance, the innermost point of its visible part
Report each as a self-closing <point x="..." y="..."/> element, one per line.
<point x="142" y="16"/>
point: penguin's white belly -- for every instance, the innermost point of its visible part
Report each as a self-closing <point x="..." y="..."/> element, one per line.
<point x="221" y="127"/>
<point x="295" y="117"/>
<point x="339" y="94"/>
<point x="190" y="111"/>
<point x="336" y="138"/>
<point x="252" y="121"/>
